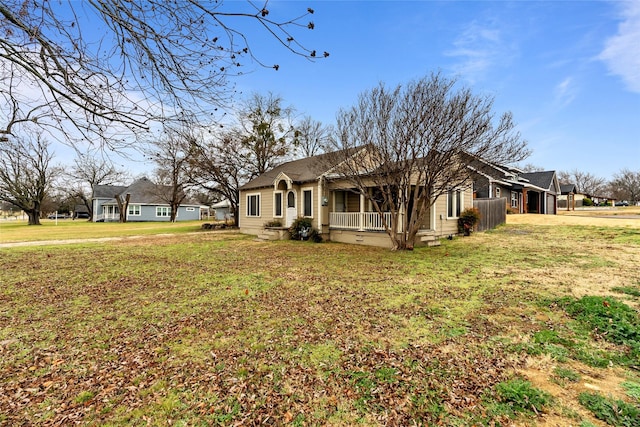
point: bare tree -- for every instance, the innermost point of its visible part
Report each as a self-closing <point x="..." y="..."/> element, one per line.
<point x="98" y="67"/>
<point x="26" y="174"/>
<point x="88" y="170"/>
<point x="625" y="185"/>
<point x="312" y="136"/>
<point x="586" y="182"/>
<point x="530" y="167"/>
<point x="410" y="143"/>
<point x="267" y="133"/>
<point x="172" y="154"/>
<point x="218" y="166"/>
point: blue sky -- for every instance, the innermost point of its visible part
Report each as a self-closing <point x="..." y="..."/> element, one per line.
<point x="568" y="70"/>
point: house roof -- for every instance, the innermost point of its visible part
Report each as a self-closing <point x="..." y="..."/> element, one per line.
<point x="540" y="179"/>
<point x="107" y="191"/>
<point x="221" y="205"/>
<point x="299" y="171"/>
<point x="142" y="191"/>
<point x="568" y="188"/>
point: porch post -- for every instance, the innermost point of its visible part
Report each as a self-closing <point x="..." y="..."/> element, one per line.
<point x="525" y="207"/>
<point x="361" y="216"/>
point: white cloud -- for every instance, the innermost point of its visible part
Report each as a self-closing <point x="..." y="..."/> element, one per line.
<point x="622" y="51"/>
<point x="565" y="92"/>
<point x="478" y="48"/>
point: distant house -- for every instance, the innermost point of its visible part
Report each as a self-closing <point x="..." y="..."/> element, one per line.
<point x="569" y="197"/>
<point x="222" y="210"/>
<point x="542" y="196"/>
<point x="524" y="192"/>
<point x="145" y="203"/>
<point x="80" y="212"/>
<point x="307" y="188"/>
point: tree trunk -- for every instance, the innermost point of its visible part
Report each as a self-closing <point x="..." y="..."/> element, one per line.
<point x="123" y="206"/>
<point x="34" y="217"/>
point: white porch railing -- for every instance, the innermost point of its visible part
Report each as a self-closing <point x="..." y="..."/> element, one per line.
<point x="362" y="221"/>
<point x="107" y="217"/>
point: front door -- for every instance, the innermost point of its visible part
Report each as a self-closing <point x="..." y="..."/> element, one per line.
<point x="292" y="212"/>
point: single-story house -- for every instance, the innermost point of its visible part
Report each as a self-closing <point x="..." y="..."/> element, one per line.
<point x="525" y="192"/>
<point x="569" y="197"/>
<point x="222" y="210"/>
<point x="338" y="211"/>
<point x="145" y="203"/>
<point x="80" y="211"/>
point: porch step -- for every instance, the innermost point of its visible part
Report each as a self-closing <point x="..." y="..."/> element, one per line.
<point x="274" y="234"/>
<point x="429" y="239"/>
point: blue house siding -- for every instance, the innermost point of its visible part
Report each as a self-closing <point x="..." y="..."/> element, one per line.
<point x="145" y="203"/>
<point x="149" y="213"/>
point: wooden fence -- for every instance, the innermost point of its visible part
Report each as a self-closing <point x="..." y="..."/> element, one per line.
<point x="493" y="212"/>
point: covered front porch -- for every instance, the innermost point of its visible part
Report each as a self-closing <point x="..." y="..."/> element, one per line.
<point x="110" y="213"/>
<point x="352" y="219"/>
<point x="361" y="221"/>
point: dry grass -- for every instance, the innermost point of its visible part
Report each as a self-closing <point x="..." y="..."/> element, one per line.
<point x="19" y="231"/>
<point x="219" y="329"/>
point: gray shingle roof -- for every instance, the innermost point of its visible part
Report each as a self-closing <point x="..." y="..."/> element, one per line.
<point x="303" y="170"/>
<point x="540" y="179"/>
<point x="107" y="191"/>
<point x="142" y="191"/>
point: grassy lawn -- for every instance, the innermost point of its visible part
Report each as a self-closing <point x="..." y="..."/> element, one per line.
<point x="529" y="324"/>
<point x="19" y="231"/>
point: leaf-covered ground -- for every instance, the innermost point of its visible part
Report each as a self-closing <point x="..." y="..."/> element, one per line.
<point x="219" y="329"/>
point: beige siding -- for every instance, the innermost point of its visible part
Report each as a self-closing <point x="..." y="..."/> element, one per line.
<point x="445" y="226"/>
<point x="254" y="225"/>
<point x="361" y="238"/>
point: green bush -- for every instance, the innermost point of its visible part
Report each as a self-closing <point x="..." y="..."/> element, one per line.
<point x="587" y="202"/>
<point x="467" y="220"/>
<point x="301" y="229"/>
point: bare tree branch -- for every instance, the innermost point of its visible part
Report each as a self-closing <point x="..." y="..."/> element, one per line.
<point x="413" y="143"/>
<point x="137" y="62"/>
<point x="26" y="174"/>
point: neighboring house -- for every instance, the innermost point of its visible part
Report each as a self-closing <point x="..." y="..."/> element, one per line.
<point x="80" y="212"/>
<point x="145" y="203"/>
<point x="306" y="188"/>
<point x="601" y="200"/>
<point x="525" y="192"/>
<point x="222" y="210"/>
<point x="541" y="190"/>
<point x="9" y="211"/>
<point x="570" y="198"/>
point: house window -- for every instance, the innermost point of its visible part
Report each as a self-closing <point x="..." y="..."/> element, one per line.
<point x="454" y="203"/>
<point x="514" y="199"/>
<point x="190" y="209"/>
<point x="163" y="211"/>
<point x="498" y="192"/>
<point x="134" y="210"/>
<point x="308" y="205"/>
<point x="339" y="201"/>
<point x="253" y="205"/>
<point x="277" y="204"/>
